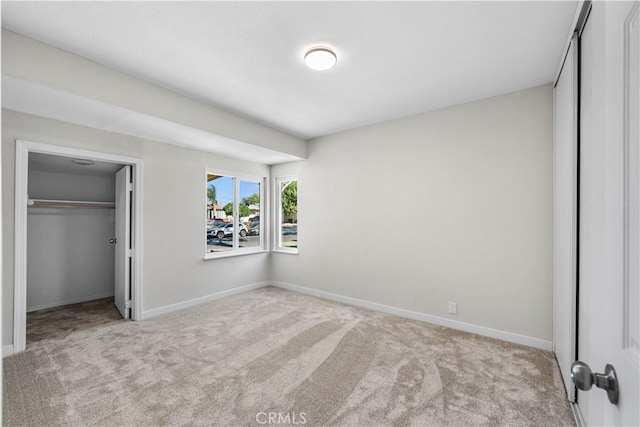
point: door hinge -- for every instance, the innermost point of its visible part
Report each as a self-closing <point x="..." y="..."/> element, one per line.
<point x="127" y="304"/>
<point x="130" y="253"/>
<point x="130" y="186"/>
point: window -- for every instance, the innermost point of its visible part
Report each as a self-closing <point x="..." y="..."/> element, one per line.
<point x="287" y="214"/>
<point x="233" y="206"/>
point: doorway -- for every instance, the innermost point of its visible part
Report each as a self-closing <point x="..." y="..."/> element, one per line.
<point x="71" y="235"/>
<point x="77" y="214"/>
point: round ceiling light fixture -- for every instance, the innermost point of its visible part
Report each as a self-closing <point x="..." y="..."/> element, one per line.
<point x="83" y="162"/>
<point x="320" y="58"/>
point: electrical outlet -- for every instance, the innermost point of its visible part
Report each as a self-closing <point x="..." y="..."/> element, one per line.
<point x="453" y="307"/>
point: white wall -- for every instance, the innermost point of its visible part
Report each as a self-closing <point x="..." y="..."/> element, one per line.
<point x="470" y="188"/>
<point x="174" y="214"/>
<point x="69" y="257"/>
<point x="35" y="62"/>
<point x="64" y="186"/>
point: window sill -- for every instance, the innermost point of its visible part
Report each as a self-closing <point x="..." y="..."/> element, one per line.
<point x="283" y="251"/>
<point x="229" y="254"/>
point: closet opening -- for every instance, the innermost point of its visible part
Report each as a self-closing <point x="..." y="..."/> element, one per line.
<point x="76" y="251"/>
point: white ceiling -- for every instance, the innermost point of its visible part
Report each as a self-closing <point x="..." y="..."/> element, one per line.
<point x="394" y="58"/>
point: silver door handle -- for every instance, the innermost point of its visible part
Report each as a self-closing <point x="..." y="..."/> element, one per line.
<point x="584" y="378"/>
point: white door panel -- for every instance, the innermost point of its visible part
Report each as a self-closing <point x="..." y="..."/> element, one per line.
<point x="123" y="241"/>
<point x="609" y="209"/>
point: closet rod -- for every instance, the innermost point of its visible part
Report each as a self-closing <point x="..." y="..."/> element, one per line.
<point x="45" y="203"/>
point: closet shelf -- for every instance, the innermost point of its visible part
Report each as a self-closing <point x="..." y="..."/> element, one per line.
<point x="82" y="204"/>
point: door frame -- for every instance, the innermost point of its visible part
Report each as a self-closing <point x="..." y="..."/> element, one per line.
<point x="23" y="148"/>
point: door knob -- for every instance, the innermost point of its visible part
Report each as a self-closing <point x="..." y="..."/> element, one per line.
<point x="584" y="379"/>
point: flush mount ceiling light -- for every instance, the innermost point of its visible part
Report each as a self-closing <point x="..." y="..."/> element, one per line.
<point x="320" y="58"/>
<point x="83" y="162"/>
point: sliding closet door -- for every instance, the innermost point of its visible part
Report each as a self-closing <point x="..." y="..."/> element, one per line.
<point x="565" y="216"/>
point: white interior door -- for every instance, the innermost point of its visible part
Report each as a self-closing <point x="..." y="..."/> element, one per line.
<point x="609" y="254"/>
<point x="565" y="163"/>
<point x="123" y="241"/>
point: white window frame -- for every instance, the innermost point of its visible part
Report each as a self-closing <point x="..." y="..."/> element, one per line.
<point x="237" y="250"/>
<point x="277" y="241"/>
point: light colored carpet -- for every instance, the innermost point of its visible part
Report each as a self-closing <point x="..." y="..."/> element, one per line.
<point x="270" y="352"/>
<point x="58" y="322"/>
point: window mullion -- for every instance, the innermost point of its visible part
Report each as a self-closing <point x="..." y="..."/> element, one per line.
<point x="279" y="214"/>
<point x="263" y="213"/>
<point x="236" y="214"/>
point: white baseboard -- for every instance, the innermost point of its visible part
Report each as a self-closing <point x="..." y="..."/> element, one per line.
<point x="7" y="350"/>
<point x="72" y="301"/>
<point x="197" y="301"/>
<point x="454" y="324"/>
